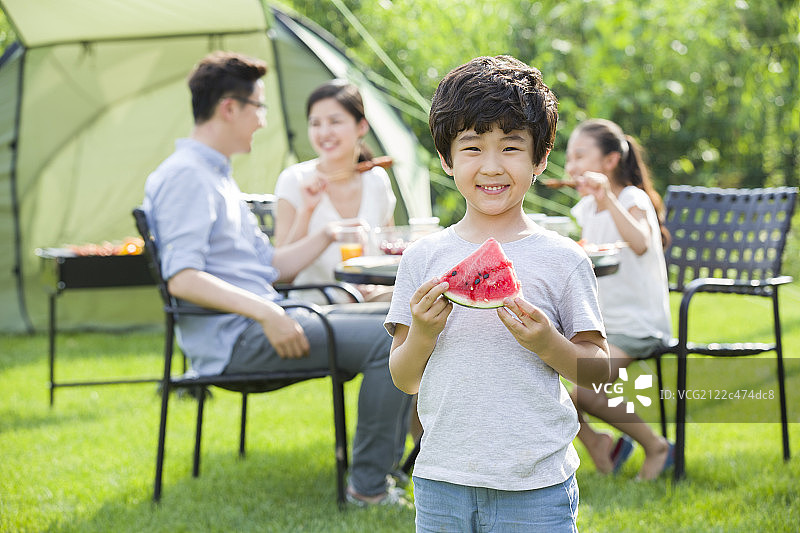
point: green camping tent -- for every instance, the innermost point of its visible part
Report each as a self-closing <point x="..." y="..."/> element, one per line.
<point x="91" y="100"/>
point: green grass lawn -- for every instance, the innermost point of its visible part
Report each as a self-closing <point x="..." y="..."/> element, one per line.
<point x="87" y="463"/>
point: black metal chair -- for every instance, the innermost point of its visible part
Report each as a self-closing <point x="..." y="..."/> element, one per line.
<point x="244" y="383"/>
<point x="263" y="207"/>
<point x="727" y="241"/>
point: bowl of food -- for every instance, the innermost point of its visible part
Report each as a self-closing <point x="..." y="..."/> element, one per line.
<point x="393" y="240"/>
<point x="605" y="257"/>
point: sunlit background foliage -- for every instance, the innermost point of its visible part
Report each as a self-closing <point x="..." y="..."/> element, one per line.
<point x="709" y="87"/>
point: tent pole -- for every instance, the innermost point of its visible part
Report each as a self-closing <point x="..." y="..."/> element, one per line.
<point x="23" y="310"/>
<point x="290" y="135"/>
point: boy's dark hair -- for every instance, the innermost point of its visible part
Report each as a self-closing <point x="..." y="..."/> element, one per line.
<point x="489" y="91"/>
<point x="349" y="97"/>
<point x="222" y="74"/>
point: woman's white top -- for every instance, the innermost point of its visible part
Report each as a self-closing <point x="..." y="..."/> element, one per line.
<point x="635" y="300"/>
<point x="377" y="209"/>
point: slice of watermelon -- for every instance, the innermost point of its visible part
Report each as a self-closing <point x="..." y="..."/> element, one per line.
<point x="483" y="279"/>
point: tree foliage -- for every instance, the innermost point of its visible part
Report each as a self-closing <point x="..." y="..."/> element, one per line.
<point x="6" y="33"/>
<point x="709" y="87"/>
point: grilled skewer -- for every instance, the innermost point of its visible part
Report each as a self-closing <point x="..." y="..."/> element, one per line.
<point x="557" y="184"/>
<point x="383" y="161"/>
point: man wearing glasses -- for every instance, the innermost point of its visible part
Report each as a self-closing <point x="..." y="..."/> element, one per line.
<point x="213" y="255"/>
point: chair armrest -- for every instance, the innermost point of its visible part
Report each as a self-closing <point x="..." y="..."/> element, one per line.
<point x="200" y="311"/>
<point x="348" y="289"/>
<point x="754" y="287"/>
<point x="192" y="310"/>
<point x="758" y="287"/>
<point x="333" y="365"/>
<point x="739" y="286"/>
<point x="280" y="287"/>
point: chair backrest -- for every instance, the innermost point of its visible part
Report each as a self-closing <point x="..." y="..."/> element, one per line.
<point x="737" y="234"/>
<point x="151" y="250"/>
<point x="263" y="207"/>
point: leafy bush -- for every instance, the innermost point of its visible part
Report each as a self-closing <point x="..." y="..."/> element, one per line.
<point x="709" y="88"/>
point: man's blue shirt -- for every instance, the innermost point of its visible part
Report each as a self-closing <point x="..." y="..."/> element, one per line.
<point x="198" y="218"/>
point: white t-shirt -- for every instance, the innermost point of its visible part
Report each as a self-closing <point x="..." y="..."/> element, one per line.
<point x="635" y="299"/>
<point x="377" y="208"/>
<point x="494" y="415"/>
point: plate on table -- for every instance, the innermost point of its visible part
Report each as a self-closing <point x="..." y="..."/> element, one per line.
<point x="602" y="250"/>
<point x="374" y="263"/>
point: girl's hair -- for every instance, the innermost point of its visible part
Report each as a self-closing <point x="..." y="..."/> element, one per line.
<point x="349" y="97"/>
<point x="632" y="169"/>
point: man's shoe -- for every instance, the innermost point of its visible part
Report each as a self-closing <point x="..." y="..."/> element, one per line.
<point x="398" y="478"/>
<point x="392" y="497"/>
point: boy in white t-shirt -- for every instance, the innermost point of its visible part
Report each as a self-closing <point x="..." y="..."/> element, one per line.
<point x="498" y="424"/>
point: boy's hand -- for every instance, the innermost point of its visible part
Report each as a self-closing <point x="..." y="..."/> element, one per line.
<point x="531" y="327"/>
<point x="429" y="311"/>
<point x="413" y="345"/>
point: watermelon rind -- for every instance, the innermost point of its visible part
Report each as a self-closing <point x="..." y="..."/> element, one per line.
<point x="485" y="304"/>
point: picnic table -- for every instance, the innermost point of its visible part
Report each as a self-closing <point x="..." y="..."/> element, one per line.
<point x="382" y="269"/>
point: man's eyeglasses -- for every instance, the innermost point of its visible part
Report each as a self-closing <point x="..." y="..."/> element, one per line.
<point x="260" y="105"/>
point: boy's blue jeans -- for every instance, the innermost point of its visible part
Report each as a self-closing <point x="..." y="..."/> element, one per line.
<point x="460" y="509"/>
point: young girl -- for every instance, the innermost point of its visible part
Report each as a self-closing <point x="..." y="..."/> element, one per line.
<point x="313" y="193"/>
<point x="619" y="204"/>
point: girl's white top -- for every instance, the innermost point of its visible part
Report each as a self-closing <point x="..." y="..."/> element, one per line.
<point x="634" y="300"/>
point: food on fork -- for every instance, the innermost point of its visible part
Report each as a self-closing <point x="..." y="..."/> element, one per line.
<point x="557" y="184"/>
<point x="383" y="161"/>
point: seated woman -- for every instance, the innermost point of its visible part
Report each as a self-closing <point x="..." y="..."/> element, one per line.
<point x="330" y="187"/>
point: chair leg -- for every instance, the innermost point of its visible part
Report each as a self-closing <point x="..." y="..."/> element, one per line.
<point x="201" y="400"/>
<point x="784" y="415"/>
<point x="244" y="425"/>
<point x="781" y="377"/>
<point x="680" y="420"/>
<point x="162" y="436"/>
<point x="52" y="348"/>
<point x="408" y="464"/>
<point x="165" y="392"/>
<point x="661" y="406"/>
<point x="341" y="439"/>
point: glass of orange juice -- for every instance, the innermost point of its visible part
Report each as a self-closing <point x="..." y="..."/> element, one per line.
<point x="351" y="242"/>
